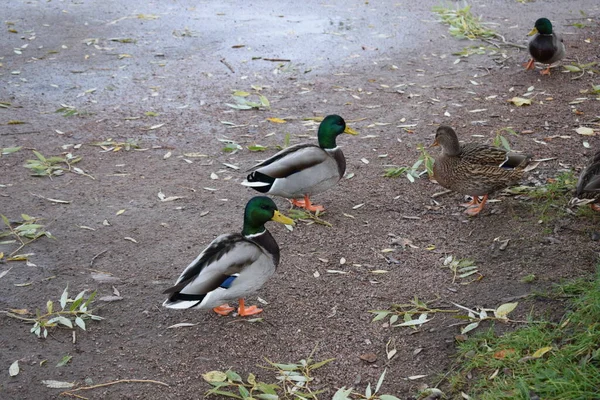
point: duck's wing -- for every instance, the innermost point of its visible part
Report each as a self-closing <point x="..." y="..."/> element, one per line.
<point x="225" y="258"/>
<point x="291" y="160"/>
<point x="481" y="154"/>
<point x="589" y="180"/>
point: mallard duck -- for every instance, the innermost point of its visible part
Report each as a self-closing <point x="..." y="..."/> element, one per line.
<point x="233" y="265"/>
<point x="302" y="170"/>
<point x="475" y="169"/>
<point x="588" y="185"/>
<point x="546" y="46"/>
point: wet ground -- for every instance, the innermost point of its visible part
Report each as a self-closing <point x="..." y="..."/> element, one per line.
<point x="161" y="74"/>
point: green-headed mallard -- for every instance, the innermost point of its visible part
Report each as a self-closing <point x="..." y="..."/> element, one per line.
<point x="475" y="169"/>
<point x="304" y="169"/>
<point x="588" y="185"/>
<point x="545" y="46"/>
<point x="233" y="265"/>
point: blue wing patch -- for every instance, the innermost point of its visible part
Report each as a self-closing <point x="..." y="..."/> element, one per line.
<point x="228" y="281"/>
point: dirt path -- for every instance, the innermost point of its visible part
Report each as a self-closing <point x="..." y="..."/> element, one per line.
<point x="161" y="75"/>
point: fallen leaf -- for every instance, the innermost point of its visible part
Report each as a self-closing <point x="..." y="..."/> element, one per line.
<point x="369" y="357"/>
<point x="277" y="120"/>
<point x="520" y="101"/>
<point x="182" y="325"/>
<point x="14" y="369"/>
<point x="540" y="352"/>
<point x="584" y="130"/>
<point x="58" y="384"/>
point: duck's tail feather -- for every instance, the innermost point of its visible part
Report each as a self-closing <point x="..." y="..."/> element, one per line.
<point x="259" y="181"/>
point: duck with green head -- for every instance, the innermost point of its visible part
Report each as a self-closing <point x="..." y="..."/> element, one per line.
<point x="545" y="46"/>
<point x="475" y="169"/>
<point x="302" y="170"/>
<point x="233" y="265"/>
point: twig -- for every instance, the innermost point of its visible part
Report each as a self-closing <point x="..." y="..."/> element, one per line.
<point x="227" y="65"/>
<point x="277" y="59"/>
<point x="96" y="256"/>
<point x="71" y="392"/>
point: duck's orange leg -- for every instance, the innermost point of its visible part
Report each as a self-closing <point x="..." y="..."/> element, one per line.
<point x="545" y="71"/>
<point x="244" y="311"/>
<point x="474" y="210"/>
<point x="595" y="207"/>
<point x="223" y="309"/>
<point x="530" y="64"/>
<point x="472" y="203"/>
<point x="307" y="205"/>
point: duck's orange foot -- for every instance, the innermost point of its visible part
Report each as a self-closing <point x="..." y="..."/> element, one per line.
<point x="244" y="311"/>
<point x="545" y="71"/>
<point x="530" y="64"/>
<point x="223" y="309"/>
<point x="595" y="207"/>
<point x="473" y="203"/>
<point x="477" y="207"/>
<point x="307" y="205"/>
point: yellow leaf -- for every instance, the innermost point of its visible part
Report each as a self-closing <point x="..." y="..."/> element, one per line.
<point x="20" y="311"/>
<point x="277" y="120"/>
<point x="1" y="255"/>
<point x="519" y="101"/>
<point x="241" y="93"/>
<point x="120" y="212"/>
<point x="505" y="309"/>
<point x="215" y="376"/>
<point x="540" y="352"/>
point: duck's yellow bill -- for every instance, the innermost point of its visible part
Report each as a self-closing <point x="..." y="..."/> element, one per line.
<point x="350" y="131"/>
<point x="434" y="144"/>
<point x="532" y="32"/>
<point x="282" y="219"/>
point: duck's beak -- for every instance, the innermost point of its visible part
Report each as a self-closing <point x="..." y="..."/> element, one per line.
<point x="350" y="131"/>
<point x="434" y="144"/>
<point x="282" y="219"/>
<point x="532" y="32"/>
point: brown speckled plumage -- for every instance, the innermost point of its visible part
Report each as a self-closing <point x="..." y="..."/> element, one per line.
<point x="475" y="169"/>
<point x="588" y="185"/>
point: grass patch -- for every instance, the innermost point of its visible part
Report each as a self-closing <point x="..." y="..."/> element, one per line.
<point x="553" y="361"/>
<point x="463" y="24"/>
<point x="295" y="381"/>
<point x="551" y="200"/>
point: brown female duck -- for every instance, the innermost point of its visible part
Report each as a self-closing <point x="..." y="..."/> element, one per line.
<point x="588" y="185"/>
<point x="475" y="169"/>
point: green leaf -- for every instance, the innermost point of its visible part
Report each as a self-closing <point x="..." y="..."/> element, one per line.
<point x="264" y="101"/>
<point x="244" y="392"/>
<point x="379" y="315"/>
<point x="39" y="156"/>
<point x="64" y="297"/>
<point x="49" y="306"/>
<point x="342" y="394"/>
<point x="469" y="327"/>
<point x="320" y="363"/>
<point x="380" y="381"/>
<point x="222" y="393"/>
<point x="368" y="392"/>
<point x="388" y="397"/>
<point x="572" y="68"/>
<point x="8" y="150"/>
<point x="65" y="321"/>
<point x="64" y="361"/>
<point x="80" y="323"/>
<point x="84" y="307"/>
<point x="215" y="376"/>
<point x="256" y="147"/>
<point x="265" y="396"/>
<point x="233" y="376"/>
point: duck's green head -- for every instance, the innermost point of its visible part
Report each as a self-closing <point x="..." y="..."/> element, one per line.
<point x="446" y="137"/>
<point x="543" y="26"/>
<point x="330" y="128"/>
<point x="259" y="210"/>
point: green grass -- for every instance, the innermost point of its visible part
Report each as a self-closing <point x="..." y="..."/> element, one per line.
<point x="495" y="367"/>
<point x="463" y="24"/>
<point x="552" y="199"/>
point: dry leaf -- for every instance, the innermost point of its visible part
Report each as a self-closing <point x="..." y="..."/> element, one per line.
<point x="277" y="120"/>
<point x="583" y="130"/>
<point x="520" y="101"/>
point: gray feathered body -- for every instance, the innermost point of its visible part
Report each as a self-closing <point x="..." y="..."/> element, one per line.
<point x="546" y="49"/>
<point x="233" y="266"/>
<point x="299" y="170"/>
